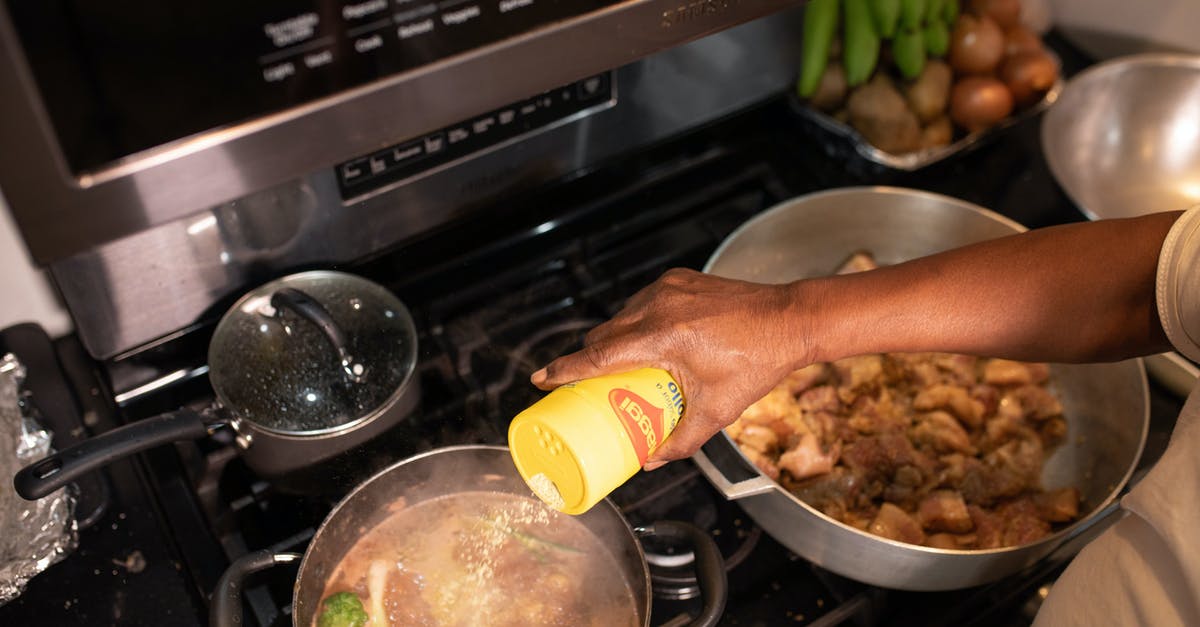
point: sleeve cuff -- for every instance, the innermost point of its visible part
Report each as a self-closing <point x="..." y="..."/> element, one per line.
<point x="1177" y="286"/>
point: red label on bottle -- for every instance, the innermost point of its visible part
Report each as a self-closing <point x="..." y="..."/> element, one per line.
<point x="643" y="422"/>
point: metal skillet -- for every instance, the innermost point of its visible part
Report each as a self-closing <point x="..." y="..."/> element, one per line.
<point x="1106" y="405"/>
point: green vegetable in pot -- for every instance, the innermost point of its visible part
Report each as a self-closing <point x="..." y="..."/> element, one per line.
<point x="937" y="38"/>
<point x="860" y="43"/>
<point x="908" y="51"/>
<point x="343" y="609"/>
<point x="912" y="13"/>
<point x="950" y="11"/>
<point x="886" y="13"/>
<point x="820" y="20"/>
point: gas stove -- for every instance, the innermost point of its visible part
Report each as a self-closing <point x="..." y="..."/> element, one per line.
<point x="495" y="296"/>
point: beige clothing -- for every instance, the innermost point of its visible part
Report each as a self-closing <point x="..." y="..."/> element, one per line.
<point x="1145" y="569"/>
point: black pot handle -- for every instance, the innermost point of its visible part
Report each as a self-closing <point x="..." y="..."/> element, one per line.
<point x="58" y="469"/>
<point x="710" y="568"/>
<point x="226" y="609"/>
<point x="314" y="312"/>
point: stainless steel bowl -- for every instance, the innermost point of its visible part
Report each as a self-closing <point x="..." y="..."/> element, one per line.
<point x="1124" y="137"/>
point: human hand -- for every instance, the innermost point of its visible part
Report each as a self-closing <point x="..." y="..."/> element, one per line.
<point x="726" y="343"/>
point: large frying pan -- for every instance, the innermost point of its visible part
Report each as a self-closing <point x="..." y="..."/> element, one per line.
<point x="1106" y="405"/>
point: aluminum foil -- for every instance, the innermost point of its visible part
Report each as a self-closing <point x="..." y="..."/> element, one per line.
<point x="33" y="535"/>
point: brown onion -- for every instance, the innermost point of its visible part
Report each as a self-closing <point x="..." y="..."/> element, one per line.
<point x="1007" y="13"/>
<point x="1028" y="75"/>
<point x="978" y="102"/>
<point x="1021" y="39"/>
<point x="976" y="45"/>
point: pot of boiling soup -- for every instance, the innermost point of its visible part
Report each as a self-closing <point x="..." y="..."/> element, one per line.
<point x="454" y="537"/>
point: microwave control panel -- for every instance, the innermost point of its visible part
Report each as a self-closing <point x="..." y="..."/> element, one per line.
<point x="405" y="160"/>
<point x="120" y="77"/>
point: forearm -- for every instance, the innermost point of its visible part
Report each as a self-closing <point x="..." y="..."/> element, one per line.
<point x="1074" y="293"/>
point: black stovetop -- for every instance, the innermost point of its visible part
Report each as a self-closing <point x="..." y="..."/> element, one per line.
<point x="524" y="282"/>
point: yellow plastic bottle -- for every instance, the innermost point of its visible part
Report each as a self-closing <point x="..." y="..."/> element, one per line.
<point x="585" y="439"/>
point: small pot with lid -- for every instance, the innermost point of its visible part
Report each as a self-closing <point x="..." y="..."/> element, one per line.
<point x="304" y="368"/>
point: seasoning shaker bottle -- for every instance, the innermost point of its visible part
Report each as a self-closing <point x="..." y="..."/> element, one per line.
<point x="584" y="439"/>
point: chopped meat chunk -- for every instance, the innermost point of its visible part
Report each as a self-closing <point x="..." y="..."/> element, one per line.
<point x="857" y="374"/>
<point x="860" y="261"/>
<point x="823" y="398"/>
<point x="951" y="541"/>
<point x="804" y="378"/>
<point x="1036" y="402"/>
<point x="956" y="400"/>
<point x="807" y="459"/>
<point x="1022" y="524"/>
<point x="1005" y="372"/>
<point x="759" y="437"/>
<point x="765" y="463"/>
<point x="945" y="510"/>
<point x="942" y="433"/>
<point x="989" y="528"/>
<point x="894" y="523"/>
<point x="1061" y="505"/>
<point x="1053" y="432"/>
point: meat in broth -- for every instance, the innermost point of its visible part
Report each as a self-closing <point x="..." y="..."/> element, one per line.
<point x="483" y="558"/>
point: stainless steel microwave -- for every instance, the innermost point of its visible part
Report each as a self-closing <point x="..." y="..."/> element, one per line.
<point x="119" y="116"/>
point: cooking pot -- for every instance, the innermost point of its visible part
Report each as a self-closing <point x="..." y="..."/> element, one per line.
<point x="303" y="368"/>
<point x="1106" y="405"/>
<point x="447" y="471"/>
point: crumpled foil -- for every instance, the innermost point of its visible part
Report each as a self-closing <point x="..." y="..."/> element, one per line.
<point x="33" y="535"/>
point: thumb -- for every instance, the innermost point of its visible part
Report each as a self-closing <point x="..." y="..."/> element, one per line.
<point x="591" y="361"/>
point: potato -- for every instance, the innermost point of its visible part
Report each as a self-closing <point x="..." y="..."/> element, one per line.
<point x="831" y="90"/>
<point x="880" y="113"/>
<point x="929" y="94"/>
<point x="939" y="132"/>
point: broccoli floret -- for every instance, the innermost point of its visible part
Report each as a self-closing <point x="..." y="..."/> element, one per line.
<point x="343" y="609"/>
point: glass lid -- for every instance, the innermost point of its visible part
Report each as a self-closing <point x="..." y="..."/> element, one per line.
<point x="312" y="352"/>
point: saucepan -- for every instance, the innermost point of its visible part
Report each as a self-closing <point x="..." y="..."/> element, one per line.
<point x="304" y="368"/>
<point x="474" y="473"/>
<point x="1106" y="405"/>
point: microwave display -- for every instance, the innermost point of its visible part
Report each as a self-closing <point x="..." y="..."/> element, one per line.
<point x="119" y="77"/>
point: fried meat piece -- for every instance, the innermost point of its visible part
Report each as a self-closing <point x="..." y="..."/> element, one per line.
<point x="1060" y="505"/>
<point x="1022" y="524"/>
<point x="807" y="377"/>
<point x="895" y="524"/>
<point x="806" y="458"/>
<point x="954" y="399"/>
<point x="765" y="463"/>
<point x="1007" y="372"/>
<point x="940" y="432"/>
<point x="944" y="510"/>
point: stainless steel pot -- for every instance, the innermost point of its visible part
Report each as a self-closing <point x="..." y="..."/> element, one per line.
<point x="1106" y="405"/>
<point x="304" y="368"/>
<point x="442" y="472"/>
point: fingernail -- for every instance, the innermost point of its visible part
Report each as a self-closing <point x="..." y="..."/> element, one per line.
<point x="538" y="377"/>
<point x="653" y="465"/>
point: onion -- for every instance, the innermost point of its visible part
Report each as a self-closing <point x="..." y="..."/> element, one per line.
<point x="978" y="102"/>
<point x="976" y="45"/>
<point x="1007" y="13"/>
<point x="1028" y="75"/>
<point x="1021" y="39"/>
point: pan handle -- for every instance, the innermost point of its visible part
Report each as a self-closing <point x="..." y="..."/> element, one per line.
<point x="716" y="462"/>
<point x="710" y="568"/>
<point x="58" y="469"/>
<point x="226" y="608"/>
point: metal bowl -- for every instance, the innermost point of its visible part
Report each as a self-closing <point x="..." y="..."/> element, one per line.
<point x="1124" y="137"/>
